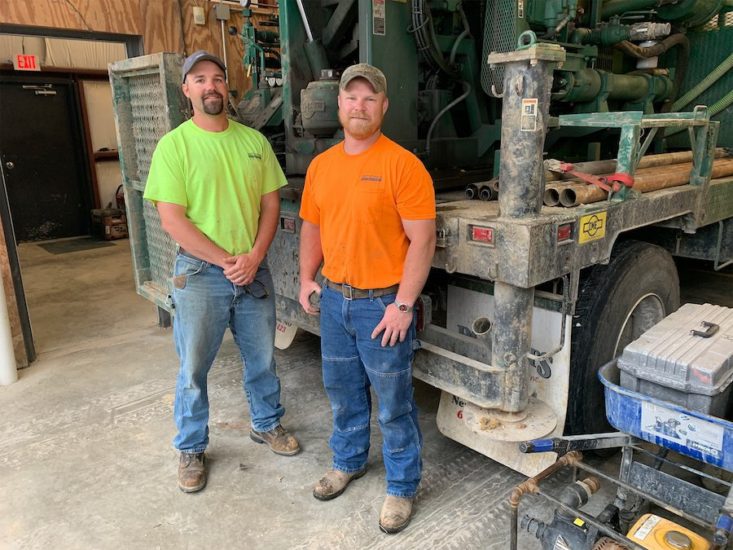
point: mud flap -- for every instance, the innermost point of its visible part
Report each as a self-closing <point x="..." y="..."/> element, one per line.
<point x="466" y="423"/>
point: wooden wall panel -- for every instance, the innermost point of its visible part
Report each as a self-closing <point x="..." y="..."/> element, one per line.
<point x="165" y="25"/>
<point x="208" y="37"/>
<point x="162" y="30"/>
<point x="113" y="16"/>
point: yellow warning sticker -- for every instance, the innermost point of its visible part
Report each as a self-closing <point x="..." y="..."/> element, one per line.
<point x="592" y="227"/>
<point x="579" y="522"/>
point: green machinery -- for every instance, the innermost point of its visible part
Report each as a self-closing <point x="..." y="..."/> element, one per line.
<point x="621" y="55"/>
<point x="524" y="302"/>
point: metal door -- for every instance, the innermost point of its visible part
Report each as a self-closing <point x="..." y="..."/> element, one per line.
<point x="42" y="152"/>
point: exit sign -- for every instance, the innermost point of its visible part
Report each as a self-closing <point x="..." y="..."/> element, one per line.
<point x="26" y="62"/>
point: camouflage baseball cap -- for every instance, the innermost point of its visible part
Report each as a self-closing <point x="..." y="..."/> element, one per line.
<point x="374" y="76"/>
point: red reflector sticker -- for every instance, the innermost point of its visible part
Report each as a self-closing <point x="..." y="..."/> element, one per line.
<point x="482" y="234"/>
<point x="564" y="232"/>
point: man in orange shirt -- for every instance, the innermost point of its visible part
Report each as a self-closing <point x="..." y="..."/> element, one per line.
<point x="368" y="214"/>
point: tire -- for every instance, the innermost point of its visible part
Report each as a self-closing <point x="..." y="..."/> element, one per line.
<point x="616" y="304"/>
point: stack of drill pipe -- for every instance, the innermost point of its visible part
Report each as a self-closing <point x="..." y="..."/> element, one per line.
<point x="552" y="191"/>
<point x="645" y="180"/>
<point x="609" y="166"/>
<point x="483" y="190"/>
<point x="471" y="191"/>
<point x="558" y="182"/>
<point x="486" y="192"/>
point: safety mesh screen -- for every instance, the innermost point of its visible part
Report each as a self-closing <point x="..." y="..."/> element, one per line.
<point x="500" y="35"/>
<point x="161" y="249"/>
<point x="148" y="103"/>
<point x="149" y="121"/>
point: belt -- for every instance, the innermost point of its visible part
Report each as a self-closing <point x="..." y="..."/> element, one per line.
<point x="351" y="293"/>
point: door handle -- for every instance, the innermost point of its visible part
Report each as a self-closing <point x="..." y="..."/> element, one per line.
<point x="9" y="165"/>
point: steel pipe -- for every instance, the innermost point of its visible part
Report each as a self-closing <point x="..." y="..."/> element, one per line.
<point x="552" y="196"/>
<point x="649" y="161"/>
<point x="644" y="181"/>
<point x="471" y="191"/>
<point x="486" y="193"/>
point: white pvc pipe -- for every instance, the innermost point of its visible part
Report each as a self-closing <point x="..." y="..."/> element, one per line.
<point x="8" y="370"/>
<point x="303" y="16"/>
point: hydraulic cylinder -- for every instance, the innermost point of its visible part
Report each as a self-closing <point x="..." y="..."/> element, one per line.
<point x="526" y="102"/>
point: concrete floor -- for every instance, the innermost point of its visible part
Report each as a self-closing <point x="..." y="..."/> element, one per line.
<point x="86" y="460"/>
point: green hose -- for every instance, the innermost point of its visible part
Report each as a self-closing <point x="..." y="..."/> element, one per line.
<point x="704" y="84"/>
<point x="720" y="105"/>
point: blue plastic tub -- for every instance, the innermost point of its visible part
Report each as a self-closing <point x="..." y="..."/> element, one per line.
<point x="702" y="437"/>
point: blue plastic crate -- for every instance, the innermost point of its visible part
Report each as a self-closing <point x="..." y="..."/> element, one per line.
<point x="702" y="437"/>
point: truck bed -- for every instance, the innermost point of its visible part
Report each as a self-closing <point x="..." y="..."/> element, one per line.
<point x="473" y="239"/>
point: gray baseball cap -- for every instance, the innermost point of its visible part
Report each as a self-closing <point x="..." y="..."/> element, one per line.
<point x="200" y="55"/>
<point x="374" y="76"/>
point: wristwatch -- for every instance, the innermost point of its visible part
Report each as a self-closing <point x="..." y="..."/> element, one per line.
<point x="403" y="307"/>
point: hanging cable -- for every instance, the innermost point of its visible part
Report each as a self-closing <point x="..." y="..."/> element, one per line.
<point x="466" y="32"/>
<point x="456" y="101"/>
<point x="427" y="41"/>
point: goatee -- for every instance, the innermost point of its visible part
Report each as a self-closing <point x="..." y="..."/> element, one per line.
<point x="214" y="107"/>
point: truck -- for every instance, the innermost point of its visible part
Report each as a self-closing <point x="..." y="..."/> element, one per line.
<point x="604" y="127"/>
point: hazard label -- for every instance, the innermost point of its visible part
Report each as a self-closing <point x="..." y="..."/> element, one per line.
<point x="528" y="121"/>
<point x="379" y="18"/>
<point x="592" y="227"/>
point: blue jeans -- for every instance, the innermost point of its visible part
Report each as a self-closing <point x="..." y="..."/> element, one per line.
<point x="206" y="303"/>
<point x="352" y="363"/>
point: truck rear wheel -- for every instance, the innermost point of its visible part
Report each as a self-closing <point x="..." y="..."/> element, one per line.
<point x="616" y="304"/>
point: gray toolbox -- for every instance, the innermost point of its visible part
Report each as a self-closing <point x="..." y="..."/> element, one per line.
<point x="686" y="359"/>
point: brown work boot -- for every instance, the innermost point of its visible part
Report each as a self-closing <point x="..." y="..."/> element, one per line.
<point x="278" y="439"/>
<point x="334" y="483"/>
<point x="191" y="472"/>
<point x="396" y="514"/>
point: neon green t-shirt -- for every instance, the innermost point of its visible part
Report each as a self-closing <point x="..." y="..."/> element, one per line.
<point x="219" y="177"/>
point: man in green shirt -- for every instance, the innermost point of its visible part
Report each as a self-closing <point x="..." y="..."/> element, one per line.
<point x="216" y="186"/>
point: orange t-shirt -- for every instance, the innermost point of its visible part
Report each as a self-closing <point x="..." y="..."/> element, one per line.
<point x="359" y="202"/>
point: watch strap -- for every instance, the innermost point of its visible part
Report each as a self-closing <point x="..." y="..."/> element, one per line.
<point x="403" y="307"/>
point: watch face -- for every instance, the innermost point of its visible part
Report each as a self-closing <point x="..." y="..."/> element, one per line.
<point x="402" y="307"/>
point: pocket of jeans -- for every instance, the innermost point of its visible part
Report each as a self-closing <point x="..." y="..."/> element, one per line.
<point x="184" y="268"/>
<point x="262" y="286"/>
<point x="384" y="301"/>
<point x="257" y="289"/>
